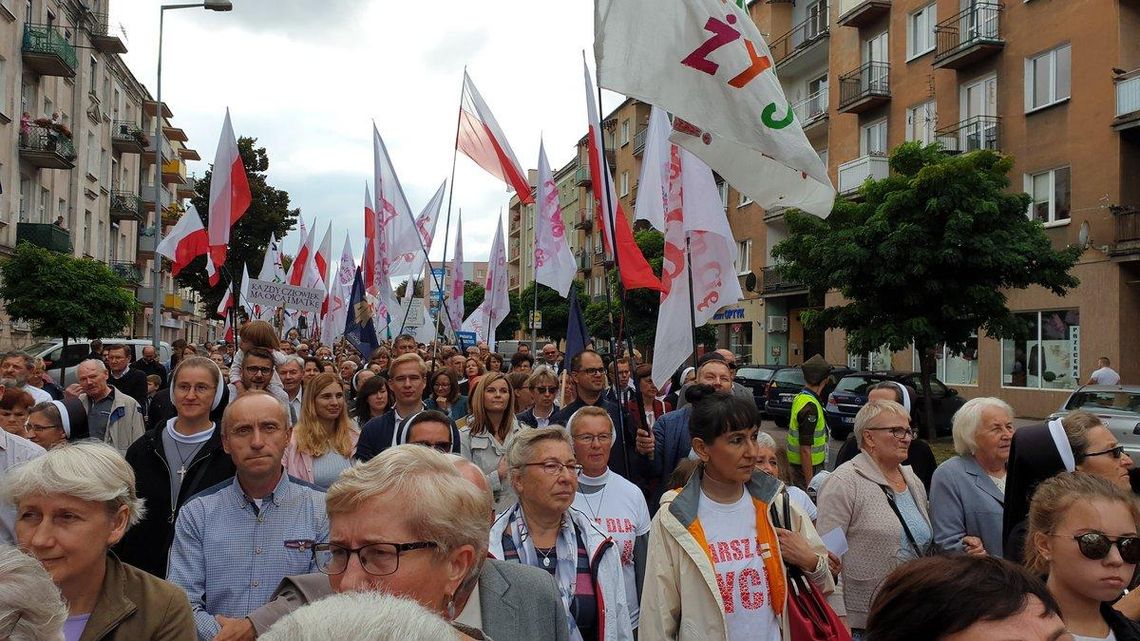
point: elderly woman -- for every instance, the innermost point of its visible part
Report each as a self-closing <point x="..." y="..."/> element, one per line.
<point x="543" y="386"/>
<point x="542" y="531"/>
<point x="444" y="396"/>
<point x="53" y="423"/>
<point x="773" y="461"/>
<point x="324" y="438"/>
<point x="362" y="616"/>
<point x="879" y="504"/>
<point x="31" y="607"/>
<point x="967" y="494"/>
<point x="73" y="504"/>
<point x="486" y="434"/>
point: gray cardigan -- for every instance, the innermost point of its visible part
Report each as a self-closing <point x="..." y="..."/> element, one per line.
<point x="964" y="501"/>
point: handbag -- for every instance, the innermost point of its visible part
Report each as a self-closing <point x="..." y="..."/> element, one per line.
<point x="919" y="550"/>
<point x="809" y="618"/>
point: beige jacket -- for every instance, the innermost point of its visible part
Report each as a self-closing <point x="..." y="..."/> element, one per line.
<point x="125" y="425"/>
<point x="485" y="451"/>
<point x="680" y="600"/>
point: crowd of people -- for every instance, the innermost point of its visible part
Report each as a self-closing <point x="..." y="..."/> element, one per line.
<point x="289" y="490"/>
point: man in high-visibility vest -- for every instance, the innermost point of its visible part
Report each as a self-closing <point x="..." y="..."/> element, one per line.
<point x="807" y="428"/>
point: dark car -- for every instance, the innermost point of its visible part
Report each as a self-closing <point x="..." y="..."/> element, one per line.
<point x="757" y="378"/>
<point x="785" y="384"/>
<point x="850" y="394"/>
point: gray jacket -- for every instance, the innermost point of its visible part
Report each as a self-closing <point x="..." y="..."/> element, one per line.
<point x="964" y="501"/>
<point x="515" y="602"/>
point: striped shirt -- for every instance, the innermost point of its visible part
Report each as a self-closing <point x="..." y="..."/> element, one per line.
<point x="230" y="553"/>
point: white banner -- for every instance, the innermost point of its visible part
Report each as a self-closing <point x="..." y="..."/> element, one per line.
<point x="305" y="299"/>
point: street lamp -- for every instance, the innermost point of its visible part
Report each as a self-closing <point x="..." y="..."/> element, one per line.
<point x="156" y="306"/>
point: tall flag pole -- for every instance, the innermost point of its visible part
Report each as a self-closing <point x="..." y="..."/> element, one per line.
<point x="229" y="197"/>
<point x="453" y="320"/>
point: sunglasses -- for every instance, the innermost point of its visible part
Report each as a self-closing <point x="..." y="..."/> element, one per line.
<point x="546" y="390"/>
<point x="1095" y="546"/>
<point x="1115" y="452"/>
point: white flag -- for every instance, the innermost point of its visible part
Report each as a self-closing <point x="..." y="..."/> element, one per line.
<point x="654" y="180"/>
<point x="332" y="325"/>
<point x="553" y="261"/>
<point x="394" y="222"/>
<point x="408" y="259"/>
<point x="706" y="62"/>
<point x="496" y="302"/>
<point x="454" y="293"/>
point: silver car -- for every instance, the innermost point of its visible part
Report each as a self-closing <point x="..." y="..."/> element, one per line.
<point x="1118" y="406"/>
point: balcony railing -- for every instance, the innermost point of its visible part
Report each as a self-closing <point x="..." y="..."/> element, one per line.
<point x="146" y="242"/>
<point x="125" y="206"/>
<point x="47" y="148"/>
<point x="968" y="36"/>
<point x="47" y="52"/>
<point x="188" y="188"/>
<point x="582" y="177"/>
<point x="811" y="109"/>
<point x="45" y="235"/>
<point x="585" y="219"/>
<point x="1128" y="97"/>
<point x="865" y="88"/>
<point x="127" y="137"/>
<point x="854" y="173"/>
<point x="173" y="171"/>
<point x="801" y="36"/>
<point x="972" y="134"/>
<point x="584" y="260"/>
<point x="639" y="141"/>
<point x="128" y="271"/>
<point x="859" y="13"/>
<point x="775" y="283"/>
<point x="103" y="36"/>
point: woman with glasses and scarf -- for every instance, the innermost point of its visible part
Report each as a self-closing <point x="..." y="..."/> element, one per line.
<point x="543" y="531"/>
<point x="1083" y="534"/>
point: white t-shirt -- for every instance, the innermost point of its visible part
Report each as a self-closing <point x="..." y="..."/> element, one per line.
<point x="619" y="509"/>
<point x="739" y="567"/>
<point x="1111" y="637"/>
<point x="1105" y="376"/>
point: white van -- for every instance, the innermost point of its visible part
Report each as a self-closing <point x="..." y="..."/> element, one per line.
<point x="55" y="356"/>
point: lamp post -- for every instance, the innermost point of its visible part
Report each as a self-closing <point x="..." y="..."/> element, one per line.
<point x="156" y="306"/>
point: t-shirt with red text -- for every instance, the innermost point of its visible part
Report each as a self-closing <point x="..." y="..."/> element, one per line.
<point x="619" y="509"/>
<point x="739" y="566"/>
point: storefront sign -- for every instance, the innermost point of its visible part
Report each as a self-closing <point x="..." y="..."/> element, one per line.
<point x="729" y="313"/>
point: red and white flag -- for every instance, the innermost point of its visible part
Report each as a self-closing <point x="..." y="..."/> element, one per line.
<point x="229" y="195"/>
<point x="635" y="271"/>
<point x="481" y="139"/>
<point x="496" y="296"/>
<point x="323" y="257"/>
<point x="368" y="258"/>
<point x="455" y="287"/>
<point x="332" y="324"/>
<point x="303" y="271"/>
<point x="243" y="292"/>
<point x="271" y="268"/>
<point x="185" y="242"/>
<point x="553" y="261"/>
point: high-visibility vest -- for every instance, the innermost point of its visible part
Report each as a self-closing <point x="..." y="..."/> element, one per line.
<point x="819" y="438"/>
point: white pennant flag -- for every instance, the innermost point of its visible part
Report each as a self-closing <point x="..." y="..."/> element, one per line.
<point x="454" y="293"/>
<point x="409" y="257"/>
<point x="553" y="261"/>
<point x="496" y="302"/>
<point x="332" y="325"/>
<point x="654" y="180"/>
<point x="394" y="222"/>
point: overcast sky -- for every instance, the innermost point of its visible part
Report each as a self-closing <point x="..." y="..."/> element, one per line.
<point x="308" y="77"/>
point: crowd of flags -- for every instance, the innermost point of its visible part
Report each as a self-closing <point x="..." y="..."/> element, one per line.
<point x="730" y="115"/>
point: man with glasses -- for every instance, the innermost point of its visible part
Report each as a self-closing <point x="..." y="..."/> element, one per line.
<point x="404" y="344"/>
<point x="589" y="373"/>
<point x="543" y="386"/>
<point x="256" y="372"/>
<point x="236" y="541"/>
<point x="736" y="389"/>
<point x="407" y="379"/>
<point x="550" y="357"/>
<point x="431" y="428"/>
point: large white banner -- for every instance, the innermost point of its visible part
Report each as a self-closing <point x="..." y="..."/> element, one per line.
<point x="304" y="299"/>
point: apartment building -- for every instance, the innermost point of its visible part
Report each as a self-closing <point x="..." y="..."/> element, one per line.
<point x="1054" y="85"/>
<point x="521" y="219"/>
<point x="74" y="143"/>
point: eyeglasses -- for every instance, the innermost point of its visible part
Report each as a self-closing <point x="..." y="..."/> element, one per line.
<point x="1114" y="452"/>
<point x="900" y="433"/>
<point x="554" y="468"/>
<point x="1095" y="546"/>
<point x="260" y="371"/>
<point x="545" y="390"/>
<point x="39" y="429"/>
<point x="377" y="559"/>
<point x="442" y="446"/>
<point x="592" y="371"/>
<point x="200" y="390"/>
<point x="590" y="438"/>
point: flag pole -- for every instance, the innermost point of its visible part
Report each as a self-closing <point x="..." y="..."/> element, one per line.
<point x="692" y="304"/>
<point x="447" y="224"/>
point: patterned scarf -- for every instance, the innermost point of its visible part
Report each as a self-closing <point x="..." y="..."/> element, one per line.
<point x="566" y="572"/>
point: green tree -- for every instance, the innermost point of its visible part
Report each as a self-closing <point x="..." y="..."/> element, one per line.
<point x="268" y="215"/>
<point x="555" y="310"/>
<point x="417" y="288"/>
<point x="927" y="257"/>
<point x="473" y="297"/>
<point x="60" y="295"/>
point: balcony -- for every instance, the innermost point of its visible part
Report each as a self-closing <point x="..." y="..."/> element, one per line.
<point x="972" y="134"/>
<point x="47" y="52"/>
<point x="1127" y="239"/>
<point x="126" y="206"/>
<point x="860" y="13"/>
<point x="583" y="259"/>
<point x="854" y="173"/>
<point x="582" y="177"/>
<point x="146" y="243"/>
<point x="103" y="36"/>
<point x="968" y="37"/>
<point x="774" y="283"/>
<point x="46" y="235"/>
<point x="173" y="171"/>
<point x="148" y="153"/>
<point x="585" y="219"/>
<point x="599" y="254"/>
<point x="128" y="271"/>
<point x="47" y="148"/>
<point x="812" y="110"/>
<point x="146" y="192"/>
<point x="188" y="188"/>
<point x="801" y="37"/>
<point x="865" y="88"/>
<point x="189" y="306"/>
<point x="639" y="141"/>
<point x="128" y="138"/>
<point x="1127" y="101"/>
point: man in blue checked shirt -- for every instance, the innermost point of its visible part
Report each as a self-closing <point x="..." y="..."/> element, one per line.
<point x="234" y="542"/>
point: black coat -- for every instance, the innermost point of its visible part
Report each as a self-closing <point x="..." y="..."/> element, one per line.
<point x="147" y="544"/>
<point x="132" y="383"/>
<point x="1124" y="628"/>
<point x="155" y="368"/>
<point x="1033" y="457"/>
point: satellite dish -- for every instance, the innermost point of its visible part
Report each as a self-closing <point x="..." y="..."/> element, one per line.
<point x="1083" y="236"/>
<point x="750" y="282"/>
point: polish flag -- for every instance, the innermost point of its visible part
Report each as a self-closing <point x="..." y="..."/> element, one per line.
<point x="481" y="139"/>
<point x="368" y="259"/>
<point x="229" y="195"/>
<point x="303" y="271"/>
<point x="185" y="242"/>
<point x="324" y="256"/>
<point x="455" y="291"/>
<point x="635" y="270"/>
<point x="243" y="293"/>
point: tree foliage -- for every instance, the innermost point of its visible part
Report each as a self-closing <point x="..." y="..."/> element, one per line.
<point x="60" y="295"/>
<point x="417" y="288"/>
<point x="268" y="215"/>
<point x="927" y="256"/>
<point x="555" y="310"/>
<point x="473" y="297"/>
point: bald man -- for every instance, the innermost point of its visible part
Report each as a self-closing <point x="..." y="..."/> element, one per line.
<point x="738" y="390"/>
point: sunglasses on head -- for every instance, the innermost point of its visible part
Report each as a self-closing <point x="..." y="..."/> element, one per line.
<point x="1095" y="546"/>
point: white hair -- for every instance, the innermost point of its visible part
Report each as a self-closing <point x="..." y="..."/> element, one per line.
<point x="361" y="616"/>
<point x="31" y="607"/>
<point x="292" y="359"/>
<point x="764" y="439"/>
<point x="94" y="362"/>
<point x="968" y="419"/>
<point x="88" y="470"/>
<point x="870" y="411"/>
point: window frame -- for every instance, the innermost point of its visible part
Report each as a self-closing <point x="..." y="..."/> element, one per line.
<point x="865" y="147"/>
<point x="1030" y="79"/>
<point x="625" y="132"/>
<point x="744" y="257"/>
<point x="931" y="115"/>
<point x="1051" y="220"/>
<point x="1038" y="339"/>
<point x="929" y="13"/>
<point x="623" y="184"/>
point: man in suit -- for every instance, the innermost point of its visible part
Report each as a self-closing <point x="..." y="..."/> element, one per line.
<point x="121" y="376"/>
<point x="407" y="380"/>
<point x="149" y="364"/>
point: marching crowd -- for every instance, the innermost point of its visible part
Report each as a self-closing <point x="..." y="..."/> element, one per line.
<point x="287" y="490"/>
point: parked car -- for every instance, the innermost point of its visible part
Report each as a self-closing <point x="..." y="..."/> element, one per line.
<point x="1118" y="406"/>
<point x="785" y="384"/>
<point x="55" y="356"/>
<point x="757" y="378"/>
<point x="844" y="402"/>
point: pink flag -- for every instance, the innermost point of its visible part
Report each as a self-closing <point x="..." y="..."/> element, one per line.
<point x="229" y="194"/>
<point x="496" y="301"/>
<point x="185" y="242"/>
<point x="481" y="139"/>
<point x="455" y="291"/>
<point x="553" y="261"/>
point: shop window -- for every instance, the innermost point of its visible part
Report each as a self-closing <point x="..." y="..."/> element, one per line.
<point x="1049" y="356"/>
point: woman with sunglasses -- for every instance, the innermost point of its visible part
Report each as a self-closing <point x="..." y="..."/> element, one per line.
<point x="543" y="386"/>
<point x="1083" y="535"/>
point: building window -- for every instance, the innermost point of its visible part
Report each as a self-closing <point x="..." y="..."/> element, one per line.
<point x="623" y="184"/>
<point x="920" y="121"/>
<point x="1047" y="78"/>
<point x="920" y="31"/>
<point x="1050" y="355"/>
<point x="625" y="132"/>
<point x="744" y="200"/>
<point x="954" y="368"/>
<point x="1051" y="194"/>
<point x="722" y="187"/>
<point x="877" y="360"/>
<point x="873" y="139"/>
<point x="744" y="257"/>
